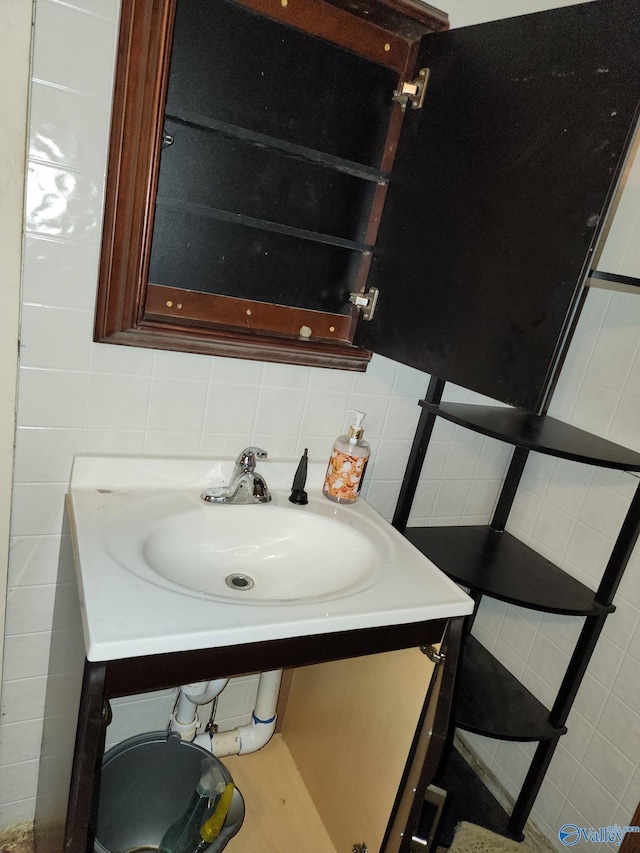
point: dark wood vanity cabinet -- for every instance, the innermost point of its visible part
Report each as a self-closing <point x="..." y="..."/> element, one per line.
<point x="349" y="669"/>
<point x="271" y="161"/>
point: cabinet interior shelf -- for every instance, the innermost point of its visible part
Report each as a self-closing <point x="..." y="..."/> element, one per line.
<point x="240" y="219"/>
<point x="541" y="433"/>
<point x="493" y="703"/>
<point x="298" y="152"/>
<point x="500" y="565"/>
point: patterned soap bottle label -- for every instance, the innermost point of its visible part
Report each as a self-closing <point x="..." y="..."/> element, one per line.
<point x="344" y="475"/>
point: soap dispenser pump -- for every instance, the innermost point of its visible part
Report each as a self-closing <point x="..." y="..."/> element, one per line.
<point x="347" y="464"/>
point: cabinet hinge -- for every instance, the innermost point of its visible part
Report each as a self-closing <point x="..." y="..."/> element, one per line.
<point x="365" y="301"/>
<point x="360" y="848"/>
<point x="413" y="91"/>
<point x="432" y="654"/>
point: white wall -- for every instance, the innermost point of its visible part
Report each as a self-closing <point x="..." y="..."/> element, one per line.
<point x="15" y="30"/>
<point x="79" y="396"/>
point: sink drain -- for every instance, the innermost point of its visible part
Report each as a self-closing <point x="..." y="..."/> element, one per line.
<point x="239" y="582"/>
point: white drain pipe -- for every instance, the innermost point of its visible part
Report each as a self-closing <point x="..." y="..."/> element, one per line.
<point x="243" y="739"/>
<point x="255" y="734"/>
<point x="185" y="718"/>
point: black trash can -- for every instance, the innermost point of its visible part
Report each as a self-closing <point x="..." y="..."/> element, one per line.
<point x="147" y="782"/>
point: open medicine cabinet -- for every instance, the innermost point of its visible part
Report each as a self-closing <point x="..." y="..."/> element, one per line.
<point x="273" y="163"/>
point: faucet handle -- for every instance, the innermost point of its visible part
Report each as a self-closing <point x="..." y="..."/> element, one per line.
<point x="247" y="458"/>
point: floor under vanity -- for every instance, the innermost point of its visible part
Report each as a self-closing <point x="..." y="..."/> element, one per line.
<point x="281" y="816"/>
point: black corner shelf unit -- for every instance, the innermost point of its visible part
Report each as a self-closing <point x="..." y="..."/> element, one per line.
<point x="487" y="560"/>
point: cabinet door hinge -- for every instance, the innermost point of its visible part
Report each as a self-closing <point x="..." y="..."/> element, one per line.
<point x="432" y="654"/>
<point x="413" y="91"/>
<point x="366" y="301"/>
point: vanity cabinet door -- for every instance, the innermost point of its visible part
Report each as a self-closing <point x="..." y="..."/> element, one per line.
<point x="499" y="190"/>
<point x="349" y="726"/>
<point x="366" y="735"/>
<point x="349" y="768"/>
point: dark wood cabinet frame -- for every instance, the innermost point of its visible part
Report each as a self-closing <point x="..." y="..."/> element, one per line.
<point x="133" y="311"/>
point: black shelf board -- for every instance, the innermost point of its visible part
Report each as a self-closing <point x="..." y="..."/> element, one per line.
<point x="263" y="224"/>
<point x="490" y="701"/>
<point x="615" y="278"/>
<point x="499" y="565"/>
<point x="541" y="433"/>
<point x="300" y="152"/>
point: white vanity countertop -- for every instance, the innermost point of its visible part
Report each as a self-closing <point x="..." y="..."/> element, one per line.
<point x="126" y="614"/>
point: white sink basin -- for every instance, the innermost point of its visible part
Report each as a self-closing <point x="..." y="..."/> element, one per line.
<point x="263" y="554"/>
<point x="159" y="570"/>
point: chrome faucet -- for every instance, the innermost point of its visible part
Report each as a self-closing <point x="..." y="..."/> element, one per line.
<point x="246" y="486"/>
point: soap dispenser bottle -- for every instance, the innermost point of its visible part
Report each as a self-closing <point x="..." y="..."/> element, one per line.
<point x="347" y="464"/>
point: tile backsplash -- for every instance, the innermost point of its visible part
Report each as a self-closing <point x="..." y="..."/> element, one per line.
<point x="78" y="396"/>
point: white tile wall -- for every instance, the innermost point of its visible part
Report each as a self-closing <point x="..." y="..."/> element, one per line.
<point x="79" y="396"/>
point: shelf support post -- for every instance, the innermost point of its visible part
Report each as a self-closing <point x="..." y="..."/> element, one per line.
<point x="584" y="648"/>
<point x="530" y="787"/>
<point x="578" y="664"/>
<point x="622" y="550"/>
<point x="416" y="457"/>
<point x="509" y="488"/>
<point x="593" y="625"/>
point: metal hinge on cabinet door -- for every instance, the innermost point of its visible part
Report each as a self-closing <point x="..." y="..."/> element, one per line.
<point x="413" y="91"/>
<point x="433" y="655"/>
<point x="366" y="301"/>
